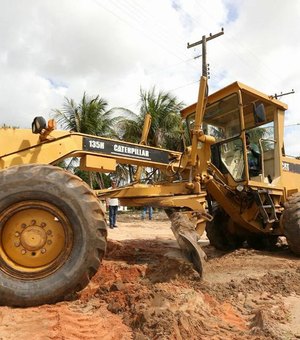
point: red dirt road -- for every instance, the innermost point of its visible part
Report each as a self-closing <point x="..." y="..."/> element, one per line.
<point x="145" y="289"/>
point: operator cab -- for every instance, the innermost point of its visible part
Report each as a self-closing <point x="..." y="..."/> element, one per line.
<point x="245" y="124"/>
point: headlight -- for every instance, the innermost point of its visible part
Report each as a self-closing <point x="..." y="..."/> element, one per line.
<point x="38" y="125"/>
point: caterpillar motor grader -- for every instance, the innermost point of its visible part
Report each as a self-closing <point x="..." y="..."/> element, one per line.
<point x="53" y="231"/>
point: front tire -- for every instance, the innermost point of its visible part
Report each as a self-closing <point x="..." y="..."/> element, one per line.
<point x="291" y="222"/>
<point x="52" y="235"/>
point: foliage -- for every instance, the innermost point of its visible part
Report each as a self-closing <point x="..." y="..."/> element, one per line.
<point x="165" y="130"/>
<point x="99" y="181"/>
<point x="88" y="117"/>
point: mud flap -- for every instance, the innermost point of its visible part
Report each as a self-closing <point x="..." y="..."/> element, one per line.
<point x="187" y="238"/>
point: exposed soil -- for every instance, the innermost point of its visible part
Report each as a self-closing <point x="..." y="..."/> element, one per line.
<point x="146" y="289"/>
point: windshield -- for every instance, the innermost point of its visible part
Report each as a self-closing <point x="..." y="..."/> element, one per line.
<point x="221" y="119"/>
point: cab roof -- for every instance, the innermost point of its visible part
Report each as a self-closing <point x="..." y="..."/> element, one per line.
<point x="233" y="88"/>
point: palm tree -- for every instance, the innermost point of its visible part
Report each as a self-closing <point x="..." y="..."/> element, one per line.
<point x="164" y="110"/>
<point x="89" y="117"/>
<point x="165" y="130"/>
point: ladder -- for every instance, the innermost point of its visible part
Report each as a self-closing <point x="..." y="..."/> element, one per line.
<point x="266" y="205"/>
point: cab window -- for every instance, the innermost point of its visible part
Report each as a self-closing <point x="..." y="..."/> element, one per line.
<point x="222" y="119"/>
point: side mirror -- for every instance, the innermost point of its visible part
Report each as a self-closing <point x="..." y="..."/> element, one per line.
<point x="259" y="113"/>
<point x="38" y="125"/>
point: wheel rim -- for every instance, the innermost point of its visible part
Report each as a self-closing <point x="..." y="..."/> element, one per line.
<point x="36" y="239"/>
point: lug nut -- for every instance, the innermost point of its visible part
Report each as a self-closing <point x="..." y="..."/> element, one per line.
<point x="23" y="251"/>
<point x="23" y="225"/>
<point x="43" y="250"/>
<point x="17" y="244"/>
<point x="49" y="232"/>
<point x="17" y="234"/>
<point x="43" y="225"/>
<point x="49" y="242"/>
<point x="33" y="222"/>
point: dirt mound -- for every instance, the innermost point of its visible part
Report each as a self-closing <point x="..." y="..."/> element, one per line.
<point x="157" y="298"/>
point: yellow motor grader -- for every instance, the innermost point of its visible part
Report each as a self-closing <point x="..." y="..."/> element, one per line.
<point x="53" y="231"/>
<point x="232" y="179"/>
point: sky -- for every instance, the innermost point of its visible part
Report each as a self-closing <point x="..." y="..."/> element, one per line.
<point x="52" y="49"/>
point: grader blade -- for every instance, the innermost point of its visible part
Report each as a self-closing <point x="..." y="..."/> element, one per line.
<point x="187" y="238"/>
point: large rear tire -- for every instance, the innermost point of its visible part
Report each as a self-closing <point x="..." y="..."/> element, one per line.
<point x="291" y="222"/>
<point x="218" y="231"/>
<point x="52" y="235"/>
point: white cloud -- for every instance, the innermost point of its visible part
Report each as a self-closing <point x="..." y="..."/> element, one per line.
<point x="55" y="48"/>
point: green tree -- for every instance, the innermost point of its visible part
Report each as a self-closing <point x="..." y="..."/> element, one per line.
<point x="89" y="116"/>
<point x="165" y="130"/>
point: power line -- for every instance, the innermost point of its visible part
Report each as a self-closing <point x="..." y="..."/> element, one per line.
<point x="158" y="28"/>
<point x="237" y="42"/>
<point x="162" y="46"/>
<point x="289" y="125"/>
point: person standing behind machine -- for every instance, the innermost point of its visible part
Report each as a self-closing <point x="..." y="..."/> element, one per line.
<point x="144" y="211"/>
<point x="113" y="204"/>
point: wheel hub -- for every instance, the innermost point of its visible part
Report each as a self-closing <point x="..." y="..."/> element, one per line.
<point x="33" y="238"/>
<point x="36" y="239"/>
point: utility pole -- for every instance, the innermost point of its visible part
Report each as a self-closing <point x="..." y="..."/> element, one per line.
<point x="203" y="42"/>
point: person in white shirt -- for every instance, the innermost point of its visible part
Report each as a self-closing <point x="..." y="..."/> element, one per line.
<point x="113" y="204"/>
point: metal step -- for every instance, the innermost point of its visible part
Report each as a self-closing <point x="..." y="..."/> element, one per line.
<point x="266" y="206"/>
